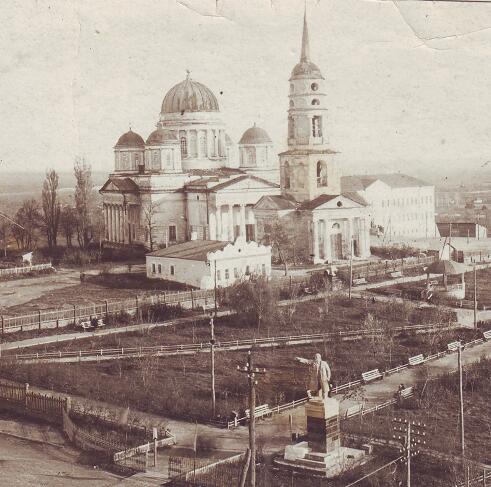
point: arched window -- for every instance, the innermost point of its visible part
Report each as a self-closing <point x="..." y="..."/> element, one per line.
<point x="317" y="126"/>
<point x="314" y="86"/>
<point x="184" y="147"/>
<point x="292" y="104"/>
<point x="156" y="160"/>
<point x="316" y="101"/>
<point x="292" y="88"/>
<point x="287" y="176"/>
<point x="321" y="174"/>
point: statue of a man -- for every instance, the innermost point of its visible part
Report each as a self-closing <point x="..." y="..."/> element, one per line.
<point x="319" y="376"/>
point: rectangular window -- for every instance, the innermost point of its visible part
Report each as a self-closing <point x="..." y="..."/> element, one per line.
<point x="264" y="269"/>
<point x="172" y="233"/>
<point x="153" y="268"/>
<point x="227" y="275"/>
<point x="218" y="275"/>
<point x="160" y="268"/>
<point x="248" y="270"/>
<point x="236" y="273"/>
<point x="172" y="270"/>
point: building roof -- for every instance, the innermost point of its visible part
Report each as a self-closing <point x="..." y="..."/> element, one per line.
<point x="324" y="198"/>
<point x="394" y="180"/>
<point x="243" y="177"/>
<point x="162" y="137"/>
<point x="255" y="135"/>
<point x="277" y="202"/>
<point x="130" y="139"/>
<point x="193" y="250"/>
<point x="125" y="185"/>
<point x="189" y="96"/>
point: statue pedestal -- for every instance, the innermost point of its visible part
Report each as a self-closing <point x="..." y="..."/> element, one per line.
<point x="322" y="453"/>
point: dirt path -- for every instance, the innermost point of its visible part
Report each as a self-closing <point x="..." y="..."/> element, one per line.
<point x="20" y="291"/>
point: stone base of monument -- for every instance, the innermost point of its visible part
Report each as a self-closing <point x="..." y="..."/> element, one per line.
<point x="322" y="453"/>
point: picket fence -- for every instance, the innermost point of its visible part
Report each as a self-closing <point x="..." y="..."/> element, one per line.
<point x="74" y="314"/>
<point x="11" y="271"/>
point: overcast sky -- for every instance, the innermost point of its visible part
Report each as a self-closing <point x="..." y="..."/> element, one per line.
<point x="408" y="82"/>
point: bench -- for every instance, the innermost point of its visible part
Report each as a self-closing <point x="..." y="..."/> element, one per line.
<point x="371" y="375"/>
<point x="407" y="392"/>
<point x="259" y="411"/>
<point x="416" y="360"/>
<point x="358" y="281"/>
<point x="396" y="274"/>
<point x="353" y="410"/>
<point x="487" y="335"/>
<point x="453" y="346"/>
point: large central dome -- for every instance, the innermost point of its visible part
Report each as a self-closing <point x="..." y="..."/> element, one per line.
<point x="189" y="96"/>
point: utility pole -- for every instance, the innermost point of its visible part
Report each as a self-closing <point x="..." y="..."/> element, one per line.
<point x="251" y="376"/>
<point x="461" y="395"/>
<point x="212" y="354"/>
<point x="413" y="436"/>
<point x="475" y="297"/>
<point x="350" y="269"/>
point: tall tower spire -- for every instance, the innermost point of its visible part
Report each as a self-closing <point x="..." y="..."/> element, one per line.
<point x="305" y="56"/>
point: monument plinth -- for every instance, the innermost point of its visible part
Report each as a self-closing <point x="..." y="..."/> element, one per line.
<point x="323" y="424"/>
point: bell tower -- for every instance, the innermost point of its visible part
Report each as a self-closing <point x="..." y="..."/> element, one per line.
<point x="307" y="167"/>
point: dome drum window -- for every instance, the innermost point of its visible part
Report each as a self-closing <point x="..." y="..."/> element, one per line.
<point x="314" y="86"/>
<point x="316" y="101"/>
<point x="184" y="147"/>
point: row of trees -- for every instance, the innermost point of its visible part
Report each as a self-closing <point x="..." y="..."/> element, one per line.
<point x="80" y="219"/>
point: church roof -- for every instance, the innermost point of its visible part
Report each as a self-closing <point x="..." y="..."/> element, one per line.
<point x="276" y="202"/>
<point x="230" y="182"/>
<point x="255" y="135"/>
<point x="394" y="180"/>
<point x="162" y="137"/>
<point x="324" y="198"/>
<point x="192" y="250"/>
<point x="306" y="152"/>
<point x="124" y="185"/>
<point x="189" y="96"/>
<point x="130" y="139"/>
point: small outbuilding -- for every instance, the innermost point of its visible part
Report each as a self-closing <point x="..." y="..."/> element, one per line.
<point x="202" y="263"/>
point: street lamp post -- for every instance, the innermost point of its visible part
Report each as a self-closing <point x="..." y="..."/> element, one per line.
<point x="212" y="343"/>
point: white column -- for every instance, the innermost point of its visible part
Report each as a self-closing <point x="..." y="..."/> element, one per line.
<point x="242" y="221"/>
<point x="219" y="223"/>
<point x="215" y="142"/>
<point x="212" y="227"/>
<point x="123" y="224"/>
<point x="231" y="223"/>
<point x="350" y="238"/>
<point x="209" y="142"/>
<point x="104" y="212"/>
<point x="315" y="240"/>
<point x="118" y="210"/>
<point x="366" y="237"/>
<point x="327" y="241"/>
<point x="111" y="223"/>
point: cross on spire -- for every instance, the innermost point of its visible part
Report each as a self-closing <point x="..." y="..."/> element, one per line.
<point x="305" y="56"/>
<point x="188" y="73"/>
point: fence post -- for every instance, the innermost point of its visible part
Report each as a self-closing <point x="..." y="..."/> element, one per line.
<point x="3" y="326"/>
<point x="39" y="318"/>
<point x="192" y="300"/>
<point x="107" y="309"/>
<point x="137" y="308"/>
<point x="26" y="390"/>
<point x="74" y="315"/>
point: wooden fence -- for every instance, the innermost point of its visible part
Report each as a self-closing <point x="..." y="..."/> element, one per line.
<point x="74" y="314"/>
<point x="12" y="271"/>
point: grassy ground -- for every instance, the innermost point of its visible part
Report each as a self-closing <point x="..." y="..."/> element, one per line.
<point x="96" y="290"/>
<point x="320" y="316"/>
<point x="438" y="408"/>
<point x="179" y="386"/>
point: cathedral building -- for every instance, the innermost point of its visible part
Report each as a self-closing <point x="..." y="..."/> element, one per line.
<point x="182" y="182"/>
<point x="328" y="225"/>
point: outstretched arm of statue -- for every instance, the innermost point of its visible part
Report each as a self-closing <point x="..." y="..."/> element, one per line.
<point x="303" y="360"/>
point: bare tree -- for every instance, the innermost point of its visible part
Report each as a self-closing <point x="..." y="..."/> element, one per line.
<point x="149" y="210"/>
<point x="68" y="223"/>
<point x="83" y="201"/>
<point x="28" y="216"/>
<point x="51" y="207"/>
<point x="278" y="235"/>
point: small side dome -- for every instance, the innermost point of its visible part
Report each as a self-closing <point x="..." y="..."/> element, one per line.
<point x="255" y="135"/>
<point x="130" y="139"/>
<point x="162" y="137"/>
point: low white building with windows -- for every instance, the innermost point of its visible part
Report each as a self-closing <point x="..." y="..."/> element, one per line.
<point x="199" y="263"/>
